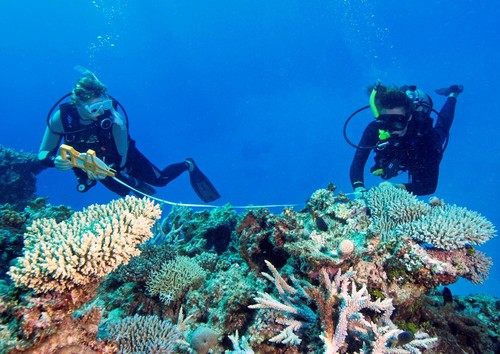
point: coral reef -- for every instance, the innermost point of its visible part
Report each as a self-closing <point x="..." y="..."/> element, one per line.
<point x="18" y="172"/>
<point x="337" y="276"/>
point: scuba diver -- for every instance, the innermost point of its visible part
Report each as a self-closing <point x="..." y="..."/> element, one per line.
<point x="404" y="138"/>
<point x="90" y="120"/>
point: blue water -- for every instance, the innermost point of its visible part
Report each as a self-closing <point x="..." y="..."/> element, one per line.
<point x="257" y="92"/>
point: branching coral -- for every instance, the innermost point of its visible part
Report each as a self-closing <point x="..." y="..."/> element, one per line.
<point x="349" y="316"/>
<point x="479" y="267"/>
<point x="240" y="345"/>
<point x="293" y="302"/>
<point x="146" y="334"/>
<point x="341" y="308"/>
<point x="86" y="247"/>
<point x="175" y="278"/>
<point x="392" y="206"/>
<point x="449" y="227"/>
<point x="397" y="213"/>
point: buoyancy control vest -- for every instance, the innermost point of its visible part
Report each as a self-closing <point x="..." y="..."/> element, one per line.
<point x="97" y="136"/>
<point x="408" y="152"/>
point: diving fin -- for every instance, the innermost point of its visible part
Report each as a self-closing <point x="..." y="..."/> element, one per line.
<point x="448" y="90"/>
<point x="201" y="184"/>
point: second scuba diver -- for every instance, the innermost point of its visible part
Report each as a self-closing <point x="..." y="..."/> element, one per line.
<point x="404" y="138"/>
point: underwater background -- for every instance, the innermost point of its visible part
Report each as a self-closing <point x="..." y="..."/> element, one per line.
<point x="257" y="92"/>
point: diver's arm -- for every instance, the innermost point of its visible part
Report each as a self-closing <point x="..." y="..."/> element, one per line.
<point x="368" y="139"/>
<point x="51" y="141"/>
<point x="120" y="135"/>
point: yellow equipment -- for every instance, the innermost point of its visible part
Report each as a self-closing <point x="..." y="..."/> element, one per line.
<point x="89" y="162"/>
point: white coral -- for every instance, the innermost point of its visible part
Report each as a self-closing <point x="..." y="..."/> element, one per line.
<point x="84" y="248"/>
<point x="392" y="206"/>
<point x="449" y="227"/>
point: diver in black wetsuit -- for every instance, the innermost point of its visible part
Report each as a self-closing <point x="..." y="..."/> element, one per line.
<point x="91" y="121"/>
<point x="404" y="139"/>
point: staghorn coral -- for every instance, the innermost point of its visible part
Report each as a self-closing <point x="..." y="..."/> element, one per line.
<point x="293" y="302"/>
<point x="175" y="278"/>
<point x="240" y="345"/>
<point x="340" y="306"/>
<point x="84" y="248"/>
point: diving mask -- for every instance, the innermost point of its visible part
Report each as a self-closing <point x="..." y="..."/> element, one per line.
<point x="99" y="107"/>
<point x="393" y="122"/>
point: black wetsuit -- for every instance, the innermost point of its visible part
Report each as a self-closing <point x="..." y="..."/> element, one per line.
<point x="98" y="136"/>
<point x="418" y="152"/>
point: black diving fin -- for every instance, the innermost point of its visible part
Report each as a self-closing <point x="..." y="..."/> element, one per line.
<point x="448" y="90"/>
<point x="202" y="185"/>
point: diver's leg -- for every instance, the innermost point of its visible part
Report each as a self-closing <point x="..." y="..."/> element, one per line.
<point x="173" y="171"/>
<point x="445" y="119"/>
<point x="140" y="167"/>
<point x="115" y="186"/>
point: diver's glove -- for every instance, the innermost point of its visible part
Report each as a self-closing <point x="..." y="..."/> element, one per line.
<point x="359" y="192"/>
<point x="62" y="164"/>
